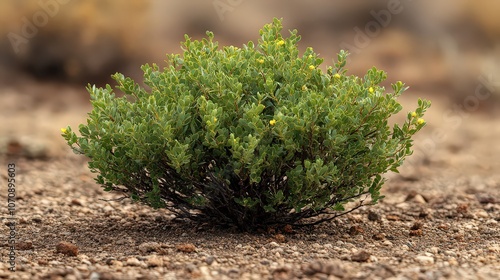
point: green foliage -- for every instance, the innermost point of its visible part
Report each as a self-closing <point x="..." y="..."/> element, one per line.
<point x="250" y="136"/>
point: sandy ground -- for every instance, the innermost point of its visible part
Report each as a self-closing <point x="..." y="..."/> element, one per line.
<point x="439" y="219"/>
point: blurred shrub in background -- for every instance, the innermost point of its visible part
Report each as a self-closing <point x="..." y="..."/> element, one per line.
<point x="72" y="40"/>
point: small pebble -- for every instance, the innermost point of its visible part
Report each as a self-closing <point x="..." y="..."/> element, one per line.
<point x="209" y="260"/>
<point x="361" y="256"/>
<point x="133" y="262"/>
<point x="67" y="248"/>
<point x="425" y="260"/>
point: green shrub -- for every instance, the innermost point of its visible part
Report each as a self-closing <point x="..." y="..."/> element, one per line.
<point x="250" y="136"/>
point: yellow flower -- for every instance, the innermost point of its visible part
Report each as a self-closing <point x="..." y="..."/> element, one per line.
<point x="311" y="67"/>
<point x="281" y="43"/>
<point x="337" y="75"/>
<point x="304" y="87"/>
<point x="64" y="130"/>
<point x="371" y="90"/>
<point x="310" y="56"/>
<point x="261" y="61"/>
<point x="215" y="119"/>
<point x="413" y="114"/>
<point x="272" y="122"/>
<point x="420" y="121"/>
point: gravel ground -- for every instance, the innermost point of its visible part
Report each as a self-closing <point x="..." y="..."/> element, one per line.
<point x="439" y="219"/>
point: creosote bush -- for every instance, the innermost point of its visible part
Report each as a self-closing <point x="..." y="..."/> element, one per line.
<point x="252" y="136"/>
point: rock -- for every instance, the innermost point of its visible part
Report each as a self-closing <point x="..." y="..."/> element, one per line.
<point x="417" y="225"/>
<point x="76" y="202"/>
<point x="372" y="216"/>
<point x="355" y="230"/>
<point x="425" y="260"/>
<point x="378" y="236"/>
<point x="36" y="219"/>
<point x="24" y="245"/>
<point x="273" y="244"/>
<point x="391" y="217"/>
<point x="288" y="229"/>
<point x="280" y="238"/>
<point x="419" y="199"/>
<point x="133" y="262"/>
<point x="108" y="209"/>
<point x="462" y="208"/>
<point x="154" y="261"/>
<point x="186" y="247"/>
<point x="148" y="247"/>
<point x="416" y="232"/>
<point x="485" y="198"/>
<point x="481" y="214"/>
<point x="416" y="229"/>
<point x="67" y="248"/>
<point x="434" y="250"/>
<point x="190" y="267"/>
<point x="209" y="260"/>
<point x="361" y="256"/>
<point x="414" y="196"/>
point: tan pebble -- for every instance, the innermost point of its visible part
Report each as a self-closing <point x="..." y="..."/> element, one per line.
<point x="434" y="250"/>
<point x="491" y="222"/>
<point x="425" y="260"/>
<point x="273" y="244"/>
<point x="148" y="247"/>
<point x="450" y="253"/>
<point x="83" y="257"/>
<point x="392" y="217"/>
<point x="419" y="199"/>
<point x="83" y="268"/>
<point x="108" y="209"/>
<point x="133" y="262"/>
<point x="316" y="246"/>
<point x="361" y="256"/>
<point x="387" y="243"/>
<point x="482" y="214"/>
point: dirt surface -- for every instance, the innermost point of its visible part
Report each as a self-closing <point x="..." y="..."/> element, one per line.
<point x="440" y="219"/>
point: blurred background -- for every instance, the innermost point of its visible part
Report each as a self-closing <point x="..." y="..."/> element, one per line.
<point x="446" y="50"/>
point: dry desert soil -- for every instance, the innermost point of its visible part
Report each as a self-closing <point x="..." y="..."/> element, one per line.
<point x="439" y="220"/>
